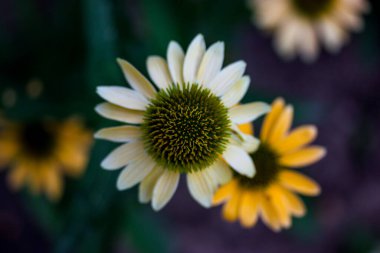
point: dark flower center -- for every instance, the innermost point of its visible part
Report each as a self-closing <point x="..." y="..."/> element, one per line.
<point x="312" y="8"/>
<point x="186" y="128"/>
<point x="267" y="169"/>
<point x="37" y="139"/>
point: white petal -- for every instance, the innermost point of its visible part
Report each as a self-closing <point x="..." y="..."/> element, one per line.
<point x="287" y="38"/>
<point x="248" y="112"/>
<point x="159" y="72"/>
<point x="269" y="13"/>
<point x="332" y="35"/>
<point x="359" y="6"/>
<point x="175" y="56"/>
<point x="211" y="63"/>
<point x="237" y="92"/>
<point x="227" y="77"/>
<point x="250" y="143"/>
<point x="119" y="134"/>
<point x="200" y="188"/>
<point x="122" y="155"/>
<point x="136" y="171"/>
<point x="124" y="97"/>
<point x="164" y="189"/>
<point x="220" y="172"/>
<point x="235" y="128"/>
<point x="193" y="59"/>
<point x="247" y="142"/>
<point x="136" y="79"/>
<point x="349" y="19"/>
<point x="114" y="112"/>
<point x="239" y="160"/>
<point x="147" y="184"/>
<point x="309" y="45"/>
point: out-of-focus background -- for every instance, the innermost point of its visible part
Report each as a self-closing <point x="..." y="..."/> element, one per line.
<point x="70" y="48"/>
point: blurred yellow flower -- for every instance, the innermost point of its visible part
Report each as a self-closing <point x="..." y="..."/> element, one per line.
<point x="271" y="193"/>
<point x="300" y="25"/>
<point x="39" y="153"/>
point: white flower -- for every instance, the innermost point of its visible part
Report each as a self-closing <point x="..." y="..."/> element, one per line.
<point x="188" y="126"/>
<point x="299" y="26"/>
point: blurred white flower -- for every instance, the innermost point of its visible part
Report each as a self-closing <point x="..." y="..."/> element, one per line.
<point x="300" y="26"/>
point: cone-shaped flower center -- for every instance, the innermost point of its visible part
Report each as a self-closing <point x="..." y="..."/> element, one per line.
<point x="267" y="169"/>
<point x="37" y="140"/>
<point x="312" y="8"/>
<point x="186" y="128"/>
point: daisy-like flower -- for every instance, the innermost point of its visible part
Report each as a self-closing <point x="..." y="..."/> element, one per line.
<point x="299" y="26"/>
<point x="271" y="193"/>
<point x="38" y="154"/>
<point x="184" y="127"/>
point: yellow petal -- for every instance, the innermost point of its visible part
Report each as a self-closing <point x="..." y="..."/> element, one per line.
<point x="72" y="131"/>
<point x="231" y="208"/>
<point x="297" y="139"/>
<point x="8" y="149"/>
<point x="269" y="214"/>
<point x="74" y="159"/>
<point x="34" y="177"/>
<point x="297" y="182"/>
<point x="294" y="203"/>
<point x="279" y="204"/>
<point x="246" y="128"/>
<point x="73" y="146"/>
<point x="271" y="118"/>
<point x="281" y="126"/>
<point x="249" y="208"/>
<point x="52" y="182"/>
<point x="17" y="175"/>
<point x="303" y="157"/>
<point x="225" y="192"/>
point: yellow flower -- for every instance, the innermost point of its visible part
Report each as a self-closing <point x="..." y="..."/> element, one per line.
<point x="39" y="153"/>
<point x="300" y="25"/>
<point x="271" y="193"/>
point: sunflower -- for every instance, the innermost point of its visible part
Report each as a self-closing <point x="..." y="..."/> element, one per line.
<point x="271" y="193"/>
<point x="299" y="26"/>
<point x="187" y="126"/>
<point x="39" y="153"/>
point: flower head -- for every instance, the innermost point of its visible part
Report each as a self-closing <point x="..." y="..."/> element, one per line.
<point x="299" y="26"/>
<point x="41" y="152"/>
<point x="271" y="193"/>
<point x="187" y="126"/>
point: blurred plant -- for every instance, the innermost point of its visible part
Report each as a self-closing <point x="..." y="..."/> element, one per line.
<point x="9" y="98"/>
<point x="270" y="192"/>
<point x="185" y="127"/>
<point x="299" y="26"/>
<point x="40" y="152"/>
<point x="34" y="88"/>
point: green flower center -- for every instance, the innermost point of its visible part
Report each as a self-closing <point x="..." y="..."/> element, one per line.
<point x="267" y="169"/>
<point x="312" y="8"/>
<point x="37" y="140"/>
<point x="186" y="128"/>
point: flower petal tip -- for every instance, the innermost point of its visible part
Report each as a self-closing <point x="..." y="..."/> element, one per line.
<point x="98" y="134"/>
<point x="199" y="36"/>
<point x="266" y="107"/>
<point x="120" y="61"/>
<point x="251" y="174"/>
<point x="323" y="152"/>
<point x="156" y="207"/>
